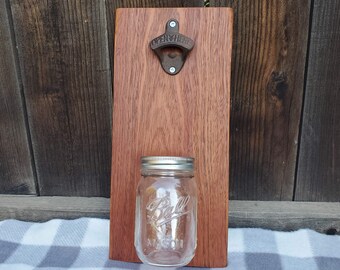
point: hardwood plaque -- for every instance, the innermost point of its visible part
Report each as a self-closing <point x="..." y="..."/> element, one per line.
<point x="186" y="114"/>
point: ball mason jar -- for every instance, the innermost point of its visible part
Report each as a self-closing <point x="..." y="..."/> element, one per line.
<point x="166" y="207"/>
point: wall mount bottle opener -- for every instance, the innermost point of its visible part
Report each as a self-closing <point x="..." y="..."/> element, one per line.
<point x="165" y="46"/>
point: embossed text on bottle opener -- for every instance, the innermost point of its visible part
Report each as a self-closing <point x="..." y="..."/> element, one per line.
<point x="161" y="212"/>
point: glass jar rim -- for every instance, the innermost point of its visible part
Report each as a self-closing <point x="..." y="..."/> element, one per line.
<point x="172" y="163"/>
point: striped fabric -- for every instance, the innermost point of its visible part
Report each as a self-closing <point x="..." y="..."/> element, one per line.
<point x="83" y="244"/>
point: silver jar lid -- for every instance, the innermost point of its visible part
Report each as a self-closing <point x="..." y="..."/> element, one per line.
<point x="167" y="163"/>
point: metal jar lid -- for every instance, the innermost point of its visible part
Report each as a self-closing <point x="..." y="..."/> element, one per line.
<point x="167" y="163"/>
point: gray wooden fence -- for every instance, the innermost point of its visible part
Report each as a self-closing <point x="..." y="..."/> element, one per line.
<point x="56" y="97"/>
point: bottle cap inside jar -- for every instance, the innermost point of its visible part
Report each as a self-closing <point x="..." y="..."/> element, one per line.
<point x="167" y="163"/>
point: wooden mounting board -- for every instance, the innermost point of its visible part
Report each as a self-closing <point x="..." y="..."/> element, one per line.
<point x="182" y="115"/>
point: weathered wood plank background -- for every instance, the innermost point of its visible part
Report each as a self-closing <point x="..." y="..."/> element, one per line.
<point x="65" y="69"/>
<point x="16" y="170"/>
<point x="269" y="53"/>
<point x="318" y="177"/>
<point x="56" y="97"/>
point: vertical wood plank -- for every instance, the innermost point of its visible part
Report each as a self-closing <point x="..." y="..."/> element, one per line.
<point x="318" y="177"/>
<point x="182" y="115"/>
<point x="269" y="51"/>
<point x="16" y="174"/>
<point x="66" y="75"/>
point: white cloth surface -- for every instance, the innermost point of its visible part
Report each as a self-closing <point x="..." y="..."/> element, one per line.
<point x="83" y="244"/>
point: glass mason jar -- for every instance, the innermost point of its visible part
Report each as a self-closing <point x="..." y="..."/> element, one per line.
<point x="166" y="206"/>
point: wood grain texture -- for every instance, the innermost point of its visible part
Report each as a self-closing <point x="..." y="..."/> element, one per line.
<point x="16" y="174"/>
<point x="269" y="52"/>
<point x="281" y="216"/>
<point x="112" y="5"/>
<point x="44" y="208"/>
<point x="182" y="115"/>
<point x="67" y="82"/>
<point x="318" y="177"/>
<point x="285" y="216"/>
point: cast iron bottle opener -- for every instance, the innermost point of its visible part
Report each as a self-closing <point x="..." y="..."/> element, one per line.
<point x="171" y="61"/>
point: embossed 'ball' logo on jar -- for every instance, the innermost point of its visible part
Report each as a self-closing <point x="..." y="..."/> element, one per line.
<point x="160" y="210"/>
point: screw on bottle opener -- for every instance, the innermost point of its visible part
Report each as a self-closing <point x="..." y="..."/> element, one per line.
<point x="171" y="61"/>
